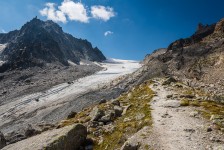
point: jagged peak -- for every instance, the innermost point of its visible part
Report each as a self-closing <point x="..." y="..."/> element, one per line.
<point x="219" y="28"/>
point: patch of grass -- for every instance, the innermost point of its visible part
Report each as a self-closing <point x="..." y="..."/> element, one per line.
<point x="184" y="102"/>
<point x="195" y="103"/>
<point x="146" y="147"/>
<point x="81" y="117"/>
<point x="209" y="104"/>
<point x="188" y="92"/>
<point x="212" y="108"/>
<point x="139" y="99"/>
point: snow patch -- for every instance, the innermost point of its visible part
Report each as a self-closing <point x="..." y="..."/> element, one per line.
<point x="113" y="60"/>
<point x="2" y="47"/>
<point x="71" y="63"/>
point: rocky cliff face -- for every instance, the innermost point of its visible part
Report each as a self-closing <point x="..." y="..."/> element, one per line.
<point x="198" y="59"/>
<point x="39" y="42"/>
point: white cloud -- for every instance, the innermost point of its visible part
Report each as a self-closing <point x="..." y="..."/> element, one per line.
<point x="67" y="10"/>
<point x="70" y="10"/>
<point x="108" y="33"/>
<point x="74" y="11"/>
<point x="102" y="12"/>
<point x="52" y="14"/>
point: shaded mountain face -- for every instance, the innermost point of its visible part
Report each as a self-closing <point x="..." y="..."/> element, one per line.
<point x="39" y="42"/>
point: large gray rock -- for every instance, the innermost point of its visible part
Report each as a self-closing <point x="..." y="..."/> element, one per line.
<point x="96" y="114"/>
<point x="169" y="80"/>
<point x="108" y="117"/>
<point x="67" y="138"/>
<point x="2" y="140"/>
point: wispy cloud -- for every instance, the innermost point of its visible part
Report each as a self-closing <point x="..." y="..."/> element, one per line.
<point x="102" y="12"/>
<point x="108" y="33"/>
<point x="76" y="11"/>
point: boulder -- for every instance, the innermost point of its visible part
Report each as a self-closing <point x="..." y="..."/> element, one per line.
<point x="169" y="80"/>
<point x="115" y="102"/>
<point x="118" y="111"/>
<point x="102" y="101"/>
<point x="2" y="140"/>
<point x="71" y="115"/>
<point x="66" y="138"/>
<point x="96" y="114"/>
<point x="108" y="117"/>
<point x="130" y="146"/>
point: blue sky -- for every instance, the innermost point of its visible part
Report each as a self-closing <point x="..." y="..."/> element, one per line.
<point x="134" y="27"/>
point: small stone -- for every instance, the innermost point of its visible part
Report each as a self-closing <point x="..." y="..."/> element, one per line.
<point x="93" y="124"/>
<point x="102" y="101"/>
<point x="194" y="114"/>
<point x="2" y="140"/>
<point x="130" y="146"/>
<point x="115" y="102"/>
<point x="139" y="116"/>
<point x="69" y="82"/>
<point x="96" y="114"/>
<point x="127" y="119"/>
<point x="108" y="117"/>
<point x="209" y="129"/>
<point x="214" y="139"/>
<point x="71" y="115"/>
<point x="189" y="130"/>
<point x="169" y="96"/>
<point x="101" y="123"/>
<point x="118" y="111"/>
<point x="169" y="80"/>
<point x="4" y="92"/>
<point x="211" y="85"/>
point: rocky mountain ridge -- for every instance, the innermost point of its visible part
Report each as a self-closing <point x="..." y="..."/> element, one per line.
<point x="39" y="42"/>
<point x="197" y="60"/>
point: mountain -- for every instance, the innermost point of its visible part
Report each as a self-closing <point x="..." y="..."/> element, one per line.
<point x="197" y="60"/>
<point x="40" y="42"/>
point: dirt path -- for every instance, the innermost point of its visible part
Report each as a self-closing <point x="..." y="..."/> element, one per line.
<point x="174" y="127"/>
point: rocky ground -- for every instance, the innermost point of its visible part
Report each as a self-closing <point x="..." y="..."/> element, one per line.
<point x="161" y="113"/>
<point x="176" y="125"/>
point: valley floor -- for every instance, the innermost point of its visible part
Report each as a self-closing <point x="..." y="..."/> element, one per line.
<point x="56" y="103"/>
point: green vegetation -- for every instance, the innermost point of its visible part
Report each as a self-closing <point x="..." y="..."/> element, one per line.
<point x="210" y="109"/>
<point x="138" y="100"/>
<point x="184" y="102"/>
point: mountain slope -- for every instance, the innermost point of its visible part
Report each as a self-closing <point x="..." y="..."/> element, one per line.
<point x="197" y="60"/>
<point x="39" y="42"/>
